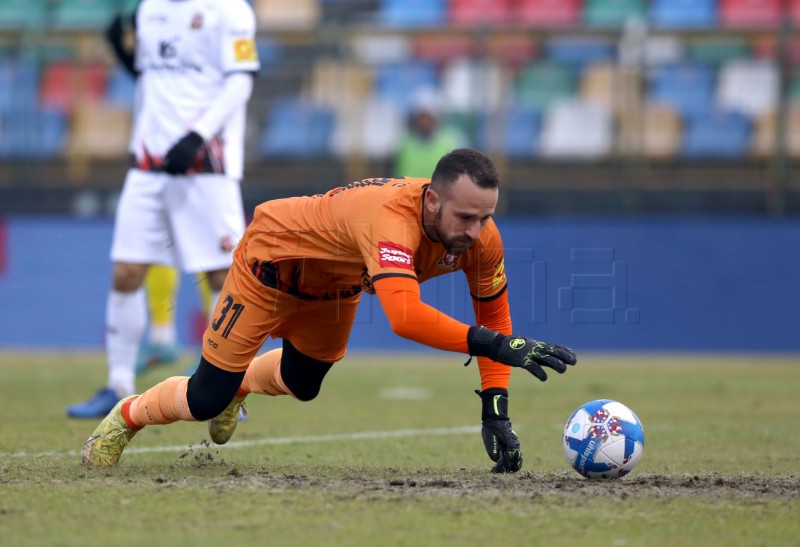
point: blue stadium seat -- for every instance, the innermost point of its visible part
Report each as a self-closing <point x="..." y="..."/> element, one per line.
<point x="579" y="51"/>
<point x="683" y="13"/>
<point x="296" y="129"/>
<point x="121" y="89"/>
<point x="412" y="13"/>
<point x="518" y="135"/>
<point x="33" y="134"/>
<point x="688" y="88"/>
<point x="19" y="85"/>
<point x="398" y="82"/>
<point x="716" y="134"/>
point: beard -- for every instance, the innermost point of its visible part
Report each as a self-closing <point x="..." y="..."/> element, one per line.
<point x="453" y="245"/>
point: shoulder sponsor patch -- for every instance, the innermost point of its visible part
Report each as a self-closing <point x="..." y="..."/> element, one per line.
<point x="244" y="49"/>
<point x="499" y="275"/>
<point x="394" y="255"/>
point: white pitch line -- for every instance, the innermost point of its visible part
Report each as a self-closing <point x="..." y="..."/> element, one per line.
<point x="364" y="435"/>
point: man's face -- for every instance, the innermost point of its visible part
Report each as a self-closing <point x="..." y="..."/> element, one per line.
<point x="460" y="213"/>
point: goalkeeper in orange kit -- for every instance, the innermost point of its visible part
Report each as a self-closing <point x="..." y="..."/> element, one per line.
<point x="298" y="274"/>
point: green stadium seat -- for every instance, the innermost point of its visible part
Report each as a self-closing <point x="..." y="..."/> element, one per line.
<point x="541" y="84"/>
<point x="716" y="51"/>
<point x="83" y="14"/>
<point x="612" y="13"/>
<point x="22" y="14"/>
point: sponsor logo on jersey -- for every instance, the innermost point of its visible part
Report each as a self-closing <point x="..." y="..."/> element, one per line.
<point x="167" y="49"/>
<point x="244" y="49"/>
<point x="197" y="21"/>
<point x="393" y="255"/>
<point x="499" y="276"/>
<point x="448" y="261"/>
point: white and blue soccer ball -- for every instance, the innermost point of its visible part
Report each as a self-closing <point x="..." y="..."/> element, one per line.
<point x="603" y="439"/>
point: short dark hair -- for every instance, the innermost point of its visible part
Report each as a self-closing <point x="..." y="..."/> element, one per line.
<point x="465" y="161"/>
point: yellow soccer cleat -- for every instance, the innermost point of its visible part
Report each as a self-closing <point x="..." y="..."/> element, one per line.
<point x="106" y="443"/>
<point x="222" y="427"/>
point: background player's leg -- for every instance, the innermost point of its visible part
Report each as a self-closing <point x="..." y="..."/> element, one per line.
<point x="126" y="318"/>
<point x="161" y="348"/>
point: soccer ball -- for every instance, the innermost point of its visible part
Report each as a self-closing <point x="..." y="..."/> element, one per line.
<point x="603" y="439"/>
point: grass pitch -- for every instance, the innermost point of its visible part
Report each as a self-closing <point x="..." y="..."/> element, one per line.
<point x="390" y="452"/>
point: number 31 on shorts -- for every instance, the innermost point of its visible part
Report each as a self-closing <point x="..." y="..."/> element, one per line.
<point x="228" y="306"/>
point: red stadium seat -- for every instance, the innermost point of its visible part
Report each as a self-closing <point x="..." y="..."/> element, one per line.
<point x="480" y="12"/>
<point x="750" y="13"/>
<point x="66" y="85"/>
<point x="442" y="47"/>
<point x="542" y="13"/>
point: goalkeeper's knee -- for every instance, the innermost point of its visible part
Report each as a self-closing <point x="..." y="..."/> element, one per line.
<point x="301" y="374"/>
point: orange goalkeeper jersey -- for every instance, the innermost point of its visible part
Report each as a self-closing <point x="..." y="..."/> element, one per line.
<point x="338" y="243"/>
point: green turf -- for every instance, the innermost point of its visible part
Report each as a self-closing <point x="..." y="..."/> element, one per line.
<point x="721" y="464"/>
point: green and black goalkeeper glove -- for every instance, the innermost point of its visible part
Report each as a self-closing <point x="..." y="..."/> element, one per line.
<point x="519" y="351"/>
<point x="183" y="154"/>
<point x="501" y="443"/>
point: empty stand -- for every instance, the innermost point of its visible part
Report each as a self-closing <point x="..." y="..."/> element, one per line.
<point x="750" y="13"/>
<point x="475" y="13"/>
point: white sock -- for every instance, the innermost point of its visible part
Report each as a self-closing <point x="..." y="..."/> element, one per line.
<point x="163" y="335"/>
<point x="126" y="318"/>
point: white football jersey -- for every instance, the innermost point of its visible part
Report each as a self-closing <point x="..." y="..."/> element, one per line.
<point x="184" y="49"/>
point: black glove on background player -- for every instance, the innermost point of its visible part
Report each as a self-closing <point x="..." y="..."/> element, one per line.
<point x="519" y="351"/>
<point x="183" y="154"/>
<point x="501" y="443"/>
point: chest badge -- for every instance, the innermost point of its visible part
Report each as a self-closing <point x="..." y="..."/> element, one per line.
<point x="197" y="21"/>
<point x="448" y="261"/>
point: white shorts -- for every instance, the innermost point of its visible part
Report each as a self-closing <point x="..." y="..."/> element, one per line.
<point x="190" y="222"/>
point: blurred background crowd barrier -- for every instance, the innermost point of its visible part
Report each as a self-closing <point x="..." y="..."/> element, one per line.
<point x="586" y="105"/>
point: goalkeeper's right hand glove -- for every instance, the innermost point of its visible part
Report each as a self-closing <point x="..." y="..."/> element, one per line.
<point x="519" y="351"/>
<point x="501" y="443"/>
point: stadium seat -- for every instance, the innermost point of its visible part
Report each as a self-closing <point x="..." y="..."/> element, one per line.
<point x="287" y="14"/>
<point x="688" y="88"/>
<point x="474" y="13"/>
<point x="32" y="134"/>
<point x="372" y="129"/>
<point x="121" y="89"/>
<point x="472" y="86"/>
<point x="22" y="14"/>
<point x="750" y="87"/>
<point x="82" y="14"/>
<point x="661" y="132"/>
<point x="576" y="129"/>
<point x="541" y="84"/>
<point x="511" y="50"/>
<point x="679" y="14"/>
<point x="296" y="129"/>
<point x="547" y="13"/>
<point x="440" y="48"/>
<point x="99" y="131"/>
<point x="397" y="82"/>
<point x="716" y="51"/>
<point x="579" y="51"/>
<point x="597" y="85"/>
<point x="64" y="85"/>
<point x="412" y="13"/>
<point x="612" y="13"/>
<point x="513" y="132"/>
<point x="716" y="134"/>
<point x="750" y="13"/>
<point x="19" y="85"/>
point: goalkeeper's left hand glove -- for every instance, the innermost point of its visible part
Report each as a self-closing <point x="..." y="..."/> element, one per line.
<point x="183" y="154"/>
<point x="501" y="443"/>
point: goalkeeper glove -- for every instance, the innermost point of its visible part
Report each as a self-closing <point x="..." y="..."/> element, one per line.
<point x="183" y="154"/>
<point x="501" y="443"/>
<point x="519" y="351"/>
